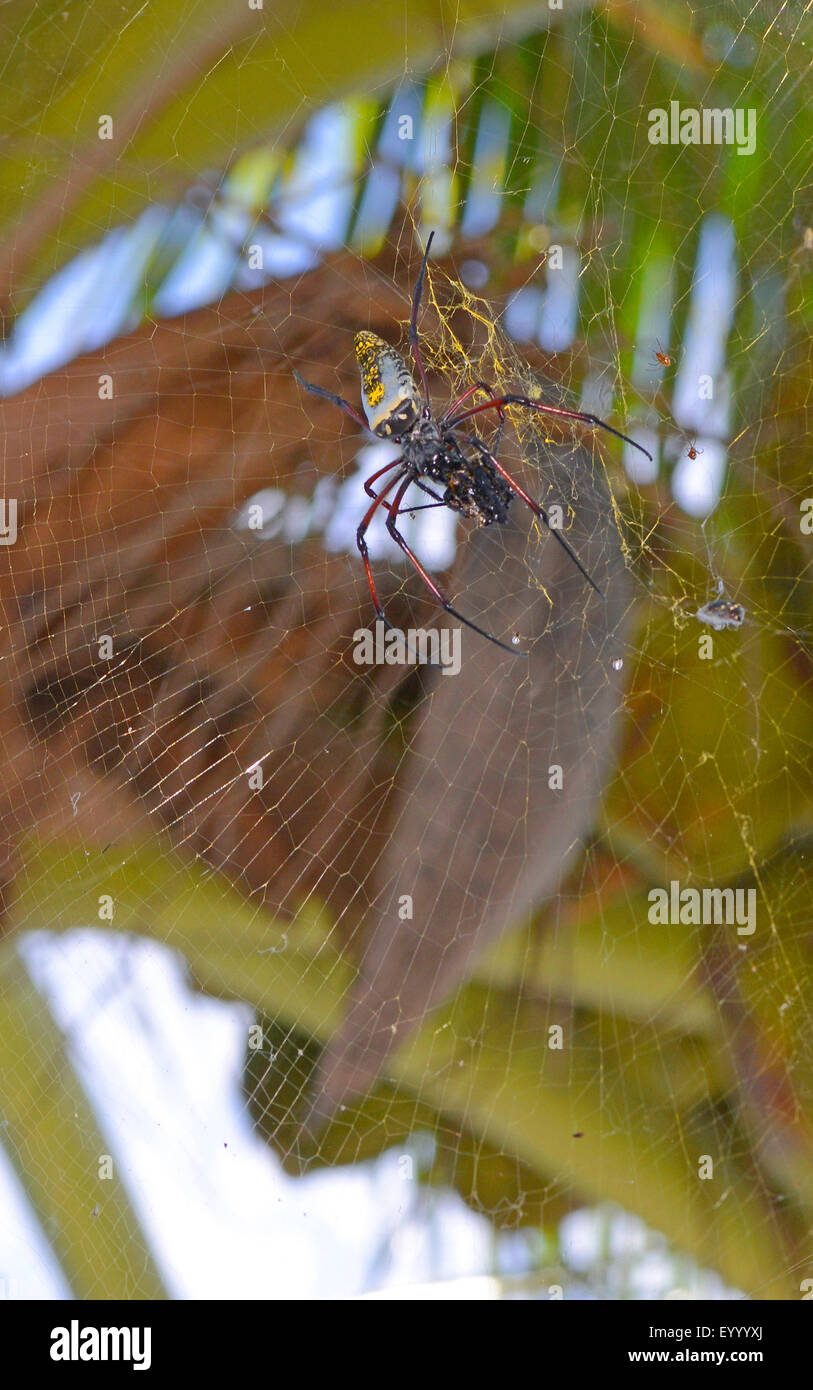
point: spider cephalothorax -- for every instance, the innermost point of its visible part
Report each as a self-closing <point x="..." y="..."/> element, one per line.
<point x="474" y="482"/>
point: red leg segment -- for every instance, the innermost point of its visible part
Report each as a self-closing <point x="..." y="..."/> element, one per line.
<point x="369" y="481"/>
<point x="500" y="401"/>
<point x="380" y="500"/>
<point x="364" y="552"/>
<point x="393" y="509"/>
<point x="489" y="390"/>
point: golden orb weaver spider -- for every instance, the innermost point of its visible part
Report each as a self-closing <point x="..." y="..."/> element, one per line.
<point x="475" y="482"/>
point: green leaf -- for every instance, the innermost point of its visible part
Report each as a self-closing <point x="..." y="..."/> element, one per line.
<point x="54" y="1142"/>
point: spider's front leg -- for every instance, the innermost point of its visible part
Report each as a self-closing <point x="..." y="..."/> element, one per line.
<point x="413" y="323"/>
<point x="334" y="400"/>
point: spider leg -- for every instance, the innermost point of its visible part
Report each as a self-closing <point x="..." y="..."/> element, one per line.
<point x="387" y="466"/>
<point x="534" y="506"/>
<point x="548" y="410"/>
<point x="438" y="502"/>
<point x="362" y="545"/>
<point x="393" y="509"/>
<point x="406" y="509"/>
<point x="378" y="501"/>
<point x="467" y="394"/>
<point x="424" y="488"/>
<point x="334" y="400"/>
<point x="413" y="323"/>
<point x="455" y="406"/>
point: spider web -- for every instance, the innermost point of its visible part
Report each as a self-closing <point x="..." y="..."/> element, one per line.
<point x="406" y="913"/>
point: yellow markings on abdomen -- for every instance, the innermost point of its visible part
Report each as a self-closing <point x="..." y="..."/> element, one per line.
<point x="388" y="391"/>
<point x="369" y="350"/>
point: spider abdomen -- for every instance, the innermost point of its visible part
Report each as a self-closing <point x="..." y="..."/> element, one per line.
<point x="389" y="394"/>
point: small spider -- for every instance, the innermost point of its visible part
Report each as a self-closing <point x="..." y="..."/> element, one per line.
<point x="474" y="483"/>
<point x="663" y="357"/>
<point x="693" y="451"/>
<point x="721" y="613"/>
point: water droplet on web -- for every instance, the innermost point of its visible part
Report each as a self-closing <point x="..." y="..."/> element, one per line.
<point x="617" y="662"/>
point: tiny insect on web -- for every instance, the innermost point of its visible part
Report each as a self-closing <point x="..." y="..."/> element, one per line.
<point x="721" y="612"/>
<point x="435" y="450"/>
